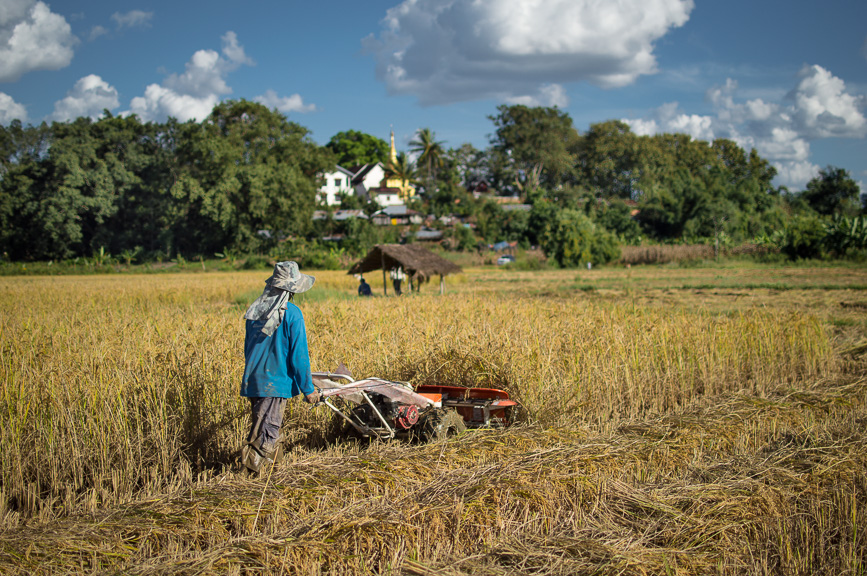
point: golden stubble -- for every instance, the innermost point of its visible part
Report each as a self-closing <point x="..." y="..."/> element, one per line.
<point x="693" y="419"/>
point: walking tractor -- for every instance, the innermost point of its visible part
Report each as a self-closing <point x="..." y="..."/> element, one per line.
<point x="377" y="408"/>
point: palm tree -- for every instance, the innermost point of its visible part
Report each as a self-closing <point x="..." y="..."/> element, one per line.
<point x="430" y="153"/>
<point x="402" y="169"/>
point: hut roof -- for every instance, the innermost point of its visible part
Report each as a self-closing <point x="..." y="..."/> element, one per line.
<point x="414" y="259"/>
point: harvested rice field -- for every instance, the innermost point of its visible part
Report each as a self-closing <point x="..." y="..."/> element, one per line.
<point x="672" y="421"/>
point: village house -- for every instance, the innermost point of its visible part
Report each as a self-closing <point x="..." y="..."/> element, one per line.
<point x="368" y="182"/>
<point x="385" y="196"/>
<point x="336" y="182"/>
<point x="398" y="215"/>
<point x="479" y="187"/>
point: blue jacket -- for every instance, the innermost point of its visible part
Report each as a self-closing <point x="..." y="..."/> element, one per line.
<point x="277" y="366"/>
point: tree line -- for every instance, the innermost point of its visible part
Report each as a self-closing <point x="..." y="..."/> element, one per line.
<point x="120" y="185"/>
<point x="246" y="178"/>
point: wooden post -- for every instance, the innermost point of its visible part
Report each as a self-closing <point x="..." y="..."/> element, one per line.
<point x="384" y="283"/>
<point x="442" y="284"/>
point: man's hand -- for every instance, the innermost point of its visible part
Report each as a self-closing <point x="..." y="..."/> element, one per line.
<point x="313" y="397"/>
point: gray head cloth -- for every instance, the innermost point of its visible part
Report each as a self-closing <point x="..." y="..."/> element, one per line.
<point x="271" y="305"/>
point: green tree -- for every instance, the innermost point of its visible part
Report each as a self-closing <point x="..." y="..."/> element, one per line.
<point x="360" y="236"/>
<point x="430" y="155"/>
<point x="460" y="237"/>
<point x="354" y="148"/>
<point x="662" y="203"/>
<point x="833" y="192"/>
<point x="467" y="164"/>
<point x="21" y="185"/>
<point x="541" y="221"/>
<point x="691" y="190"/>
<point x="610" y="160"/>
<point x="751" y="195"/>
<point x="69" y="192"/>
<point x="574" y="240"/>
<point x="515" y="225"/>
<point x="78" y="191"/>
<point x="20" y="144"/>
<point x="616" y="217"/>
<point x="144" y="203"/>
<point x="20" y="200"/>
<point x="450" y="197"/>
<point x="350" y="201"/>
<point x="748" y="172"/>
<point x="244" y="169"/>
<point x="489" y="221"/>
<point x="541" y="141"/>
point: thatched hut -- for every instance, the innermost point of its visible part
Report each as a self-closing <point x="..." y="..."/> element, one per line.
<point x="419" y="263"/>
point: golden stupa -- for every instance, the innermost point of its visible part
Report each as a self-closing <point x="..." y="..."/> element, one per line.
<point x="407" y="190"/>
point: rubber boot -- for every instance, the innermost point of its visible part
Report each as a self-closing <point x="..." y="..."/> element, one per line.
<point x="251" y="459"/>
<point x="254" y="456"/>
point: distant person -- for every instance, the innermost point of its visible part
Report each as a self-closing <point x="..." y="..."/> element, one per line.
<point x="397" y="277"/>
<point x="277" y="361"/>
<point x="364" y="288"/>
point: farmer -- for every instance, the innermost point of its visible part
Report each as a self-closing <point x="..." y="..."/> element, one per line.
<point x="397" y="277"/>
<point x="277" y="362"/>
<point x="363" y="288"/>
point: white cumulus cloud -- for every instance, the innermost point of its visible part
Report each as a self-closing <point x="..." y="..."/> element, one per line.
<point x="643" y="127"/>
<point x="234" y="52"/>
<point x="159" y="103"/>
<point x="819" y="106"/>
<point x="668" y="118"/>
<point x="796" y="173"/>
<point x="285" y="104"/>
<point x="783" y="145"/>
<point x="444" y="51"/>
<point x="547" y="95"/>
<point x="32" y="37"/>
<point x="823" y="109"/>
<point x="204" y="75"/>
<point x="89" y="97"/>
<point x="132" y="19"/>
<point x="193" y="94"/>
<point x="11" y="110"/>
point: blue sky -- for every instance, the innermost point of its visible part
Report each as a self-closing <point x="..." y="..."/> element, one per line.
<point x="789" y="79"/>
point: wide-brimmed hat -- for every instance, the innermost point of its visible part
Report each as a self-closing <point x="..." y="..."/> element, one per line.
<point x="287" y="277"/>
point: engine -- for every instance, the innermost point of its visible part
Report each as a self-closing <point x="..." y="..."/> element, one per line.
<point x="407" y="416"/>
<point x="399" y="416"/>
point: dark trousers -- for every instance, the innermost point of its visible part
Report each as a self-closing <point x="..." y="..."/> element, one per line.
<point x="266" y="419"/>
